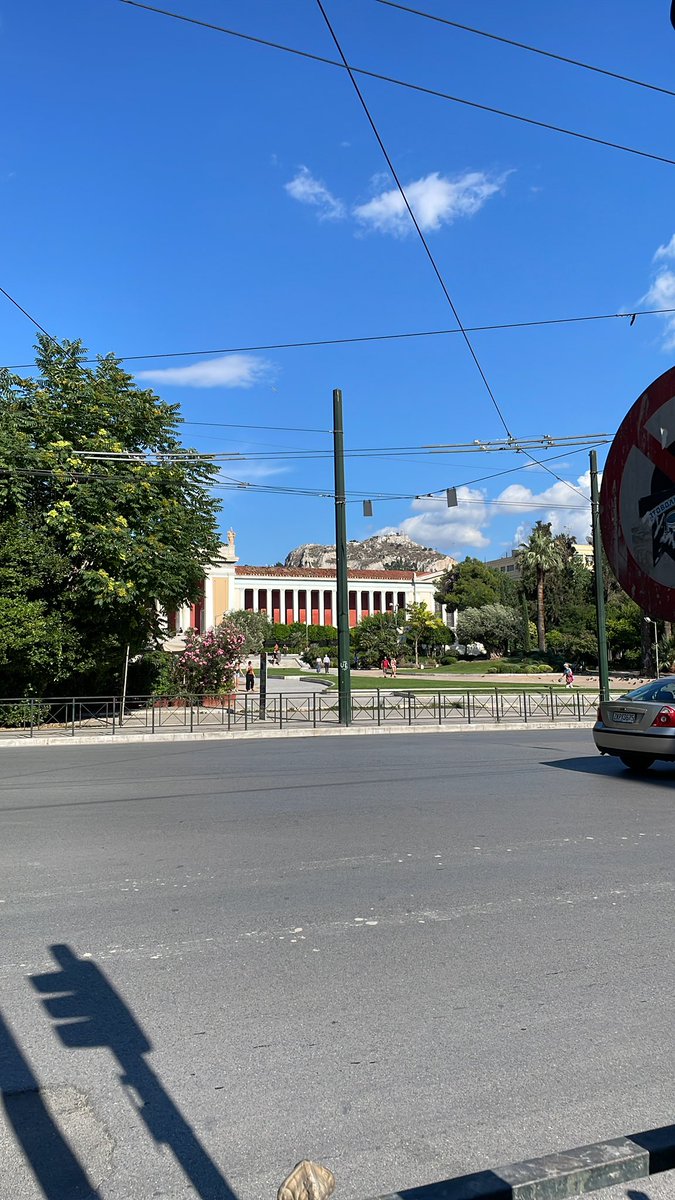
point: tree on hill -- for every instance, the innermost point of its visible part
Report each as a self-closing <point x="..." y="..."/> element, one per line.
<point x="88" y="548"/>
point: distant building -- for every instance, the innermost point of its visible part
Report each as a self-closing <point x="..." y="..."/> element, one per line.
<point x="508" y="563"/>
<point x="304" y="594"/>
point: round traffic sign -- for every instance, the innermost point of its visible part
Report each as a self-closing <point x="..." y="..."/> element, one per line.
<point x="637" y="500"/>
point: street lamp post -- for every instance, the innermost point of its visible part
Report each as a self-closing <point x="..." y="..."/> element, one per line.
<point x="651" y="621"/>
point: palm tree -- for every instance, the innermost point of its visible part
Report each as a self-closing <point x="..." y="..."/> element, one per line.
<point x="539" y="555"/>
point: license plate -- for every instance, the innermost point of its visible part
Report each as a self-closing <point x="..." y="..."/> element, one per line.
<point x="624" y="718"/>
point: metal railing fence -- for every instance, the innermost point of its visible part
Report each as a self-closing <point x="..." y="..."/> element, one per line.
<point x="69" y="716"/>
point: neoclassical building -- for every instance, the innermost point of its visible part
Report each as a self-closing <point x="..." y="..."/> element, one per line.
<point x="304" y="594"/>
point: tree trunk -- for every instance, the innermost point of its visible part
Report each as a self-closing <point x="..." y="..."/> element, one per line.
<point x="541" y="628"/>
<point x="525" y="616"/>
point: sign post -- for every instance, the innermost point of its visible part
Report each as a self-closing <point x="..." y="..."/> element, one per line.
<point x="603" y="662"/>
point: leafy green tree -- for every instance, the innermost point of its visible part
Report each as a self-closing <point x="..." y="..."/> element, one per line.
<point x="422" y="627"/>
<point x="88" y="548"/>
<point x="471" y="584"/>
<point x="256" y="628"/>
<point x="538" y="557"/>
<point x="374" y="637"/>
<point x="497" y="626"/>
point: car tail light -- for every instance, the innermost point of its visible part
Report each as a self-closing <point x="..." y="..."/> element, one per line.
<point x="665" y="719"/>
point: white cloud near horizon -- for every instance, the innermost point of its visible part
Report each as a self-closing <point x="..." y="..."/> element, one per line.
<point x="434" y="524"/>
<point x="435" y="199"/>
<point x="661" y="293"/>
<point x="232" y="371"/>
<point x="665" y="251"/>
<point x="467" y="528"/>
<point x="575" y="519"/>
<point x="305" y="188"/>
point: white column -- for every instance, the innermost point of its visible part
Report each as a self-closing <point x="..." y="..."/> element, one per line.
<point x="209" y="617"/>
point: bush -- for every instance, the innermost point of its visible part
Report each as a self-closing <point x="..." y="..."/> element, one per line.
<point x="23" y="714"/>
<point x="314" y="651"/>
<point x="448" y="659"/>
<point x="294" y="637"/>
<point x="208" y="662"/>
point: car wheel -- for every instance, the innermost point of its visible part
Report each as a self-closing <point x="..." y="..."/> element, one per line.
<point x="637" y="762"/>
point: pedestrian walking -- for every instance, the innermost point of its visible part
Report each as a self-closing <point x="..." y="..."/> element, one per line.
<point x="394" y="665"/>
<point x="277" y="656"/>
<point x="385" y="665"/>
<point x="326" y="663"/>
<point x="238" y="675"/>
<point x="317" y="664"/>
<point x="250" y="677"/>
<point x="567" y="676"/>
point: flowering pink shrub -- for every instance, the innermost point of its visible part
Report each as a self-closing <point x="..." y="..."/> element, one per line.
<point x="208" y="662"/>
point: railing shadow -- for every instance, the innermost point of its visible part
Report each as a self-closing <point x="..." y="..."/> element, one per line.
<point x="56" y="1168"/>
<point x="92" y="1014"/>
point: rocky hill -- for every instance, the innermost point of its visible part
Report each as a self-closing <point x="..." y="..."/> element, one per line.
<point x="385" y="551"/>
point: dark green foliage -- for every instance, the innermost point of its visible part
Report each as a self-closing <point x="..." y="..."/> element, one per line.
<point x="295" y="636"/>
<point x="87" y="548"/>
<point x="496" y="626"/>
<point x="376" y="636"/>
<point x="471" y="584"/>
<point x="256" y="627"/>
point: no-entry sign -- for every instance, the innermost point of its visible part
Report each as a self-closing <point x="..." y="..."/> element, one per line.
<point x="637" y="500"/>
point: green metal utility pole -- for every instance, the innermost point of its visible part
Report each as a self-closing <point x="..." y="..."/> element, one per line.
<point x="603" y="664"/>
<point x="344" y="680"/>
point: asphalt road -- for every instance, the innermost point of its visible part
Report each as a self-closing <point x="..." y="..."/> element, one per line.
<point x="406" y="957"/>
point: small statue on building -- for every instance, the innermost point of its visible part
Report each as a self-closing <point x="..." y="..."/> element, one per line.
<point x="231" y="535"/>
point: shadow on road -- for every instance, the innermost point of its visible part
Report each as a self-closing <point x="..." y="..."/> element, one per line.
<point x="54" y="1165"/>
<point x="661" y="774"/>
<point x="91" y="1014"/>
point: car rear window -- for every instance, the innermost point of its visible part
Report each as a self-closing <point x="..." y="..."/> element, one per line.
<point x="659" y="691"/>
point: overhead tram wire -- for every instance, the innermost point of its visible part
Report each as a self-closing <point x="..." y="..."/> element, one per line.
<point x="424" y="242"/>
<point x="32" y="319"/>
<point x="414" y="87"/>
<point x="496" y="37"/>
<point x="347" y="341"/>
<point x="413" y="218"/>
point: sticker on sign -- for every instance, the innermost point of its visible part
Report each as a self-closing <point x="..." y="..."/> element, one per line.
<point x="637" y="500"/>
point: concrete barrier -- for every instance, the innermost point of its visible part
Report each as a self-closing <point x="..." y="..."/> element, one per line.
<point x="558" y="1176"/>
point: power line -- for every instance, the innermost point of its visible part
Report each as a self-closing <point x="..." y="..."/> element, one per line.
<point x="33" y="320"/>
<point x="414" y="87"/>
<point x="346" y="341"/>
<point x="414" y="220"/>
<point x="495" y="37"/>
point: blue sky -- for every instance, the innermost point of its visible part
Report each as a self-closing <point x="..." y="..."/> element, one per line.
<point x="167" y="188"/>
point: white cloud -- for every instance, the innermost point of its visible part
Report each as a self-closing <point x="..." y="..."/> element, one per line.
<point x="233" y="371"/>
<point x="666" y="251"/>
<point x="308" y="190"/>
<point x="435" y="200"/>
<point x="662" y="295"/>
<point x="575" y="519"/>
<point x="434" y="524"/>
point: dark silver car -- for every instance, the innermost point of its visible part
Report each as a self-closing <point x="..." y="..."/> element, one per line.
<point x="640" y="726"/>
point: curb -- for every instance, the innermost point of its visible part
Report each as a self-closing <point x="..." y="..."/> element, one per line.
<point x="555" y="1176"/>
<point x="223" y="735"/>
